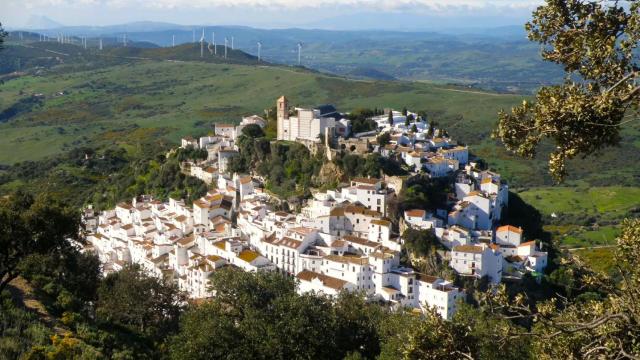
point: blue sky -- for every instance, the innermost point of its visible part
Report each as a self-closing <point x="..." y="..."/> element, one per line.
<point x="270" y="13"/>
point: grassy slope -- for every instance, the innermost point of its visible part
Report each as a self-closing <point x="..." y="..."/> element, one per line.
<point x="610" y="202"/>
<point x="575" y="207"/>
<point x="175" y="96"/>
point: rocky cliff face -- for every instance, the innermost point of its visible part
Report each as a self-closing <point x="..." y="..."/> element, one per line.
<point x="330" y="173"/>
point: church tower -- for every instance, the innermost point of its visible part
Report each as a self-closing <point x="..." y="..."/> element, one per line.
<point x="282" y="109"/>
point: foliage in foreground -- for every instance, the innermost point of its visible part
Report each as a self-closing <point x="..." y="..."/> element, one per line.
<point x="130" y="314"/>
<point x="596" y="42"/>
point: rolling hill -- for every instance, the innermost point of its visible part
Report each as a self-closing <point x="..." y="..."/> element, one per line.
<point x="497" y="59"/>
<point x="23" y="56"/>
<point x="93" y="95"/>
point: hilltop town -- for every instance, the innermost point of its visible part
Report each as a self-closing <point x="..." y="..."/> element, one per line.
<point x="341" y="239"/>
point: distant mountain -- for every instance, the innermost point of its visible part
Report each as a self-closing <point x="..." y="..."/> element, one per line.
<point x="369" y="73"/>
<point x="36" y="56"/>
<point x="40" y="22"/>
<point x="494" y="57"/>
<point x="403" y="21"/>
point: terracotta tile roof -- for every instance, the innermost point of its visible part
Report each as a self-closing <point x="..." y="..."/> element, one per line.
<point x="338" y="244"/>
<point x="360" y="241"/>
<point x="328" y="281"/>
<point x="302" y="230"/>
<point x="469" y="249"/>
<point x="289" y="242"/>
<point x="382" y="255"/>
<point x="426" y="278"/>
<point x="355" y="209"/>
<point x="528" y="243"/>
<point x="337" y="212"/>
<point x="415" y="213"/>
<point x="186" y="240"/>
<point x="201" y="204"/>
<point x="514" y="258"/>
<point x="511" y="228"/>
<point x="390" y="289"/>
<point x="348" y="259"/>
<point x="370" y="181"/>
<point x="386" y="223"/>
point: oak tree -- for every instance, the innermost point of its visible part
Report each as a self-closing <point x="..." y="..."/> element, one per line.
<point x="31" y="227"/>
<point x="596" y="43"/>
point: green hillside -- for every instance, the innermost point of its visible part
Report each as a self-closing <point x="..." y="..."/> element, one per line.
<point x="183" y="97"/>
<point x="83" y="104"/>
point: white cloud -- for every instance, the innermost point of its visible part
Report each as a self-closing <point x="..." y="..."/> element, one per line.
<point x="436" y="5"/>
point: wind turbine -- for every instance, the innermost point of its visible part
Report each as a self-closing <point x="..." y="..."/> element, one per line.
<point x="226" y="44"/>
<point x="259" y="50"/>
<point x="124" y="39"/>
<point x="299" y="53"/>
<point x="202" y="44"/>
<point x="232" y="47"/>
<point x="173" y="41"/>
<point x="213" y="40"/>
<point x="100" y="46"/>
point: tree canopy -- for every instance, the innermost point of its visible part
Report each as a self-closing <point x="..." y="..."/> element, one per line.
<point x="135" y="299"/>
<point x="596" y="43"/>
<point x="31" y="227"/>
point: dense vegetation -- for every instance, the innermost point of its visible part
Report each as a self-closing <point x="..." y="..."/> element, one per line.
<point x="107" y="176"/>
<point x="596" y="43"/>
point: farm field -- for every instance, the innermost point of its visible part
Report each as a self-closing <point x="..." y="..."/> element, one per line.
<point x="599" y="259"/>
<point x="602" y="203"/>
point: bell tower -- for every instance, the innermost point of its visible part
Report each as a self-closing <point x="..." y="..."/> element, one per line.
<point x="282" y="108"/>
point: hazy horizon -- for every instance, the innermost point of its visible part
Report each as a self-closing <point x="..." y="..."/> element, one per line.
<point x="312" y="14"/>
